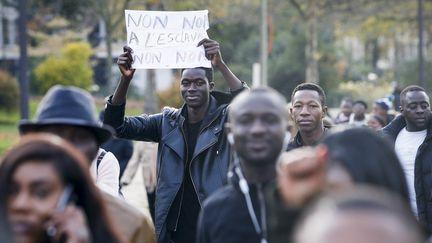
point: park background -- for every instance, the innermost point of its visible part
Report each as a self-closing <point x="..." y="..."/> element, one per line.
<point x="353" y="48"/>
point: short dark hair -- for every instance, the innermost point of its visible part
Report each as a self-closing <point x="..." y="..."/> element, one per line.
<point x="380" y="120"/>
<point x="347" y="100"/>
<point x="313" y="87"/>
<point x="208" y="72"/>
<point x="410" y="88"/>
<point x="363" y="103"/>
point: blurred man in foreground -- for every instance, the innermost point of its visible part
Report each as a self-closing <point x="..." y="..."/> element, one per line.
<point x="257" y="131"/>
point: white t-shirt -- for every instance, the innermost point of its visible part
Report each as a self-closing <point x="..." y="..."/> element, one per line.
<point x="406" y="146"/>
<point x="108" y="173"/>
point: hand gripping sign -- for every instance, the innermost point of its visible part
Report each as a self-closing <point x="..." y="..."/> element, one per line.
<point x="165" y="39"/>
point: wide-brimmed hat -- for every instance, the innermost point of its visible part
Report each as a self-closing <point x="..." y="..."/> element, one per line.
<point x="68" y="106"/>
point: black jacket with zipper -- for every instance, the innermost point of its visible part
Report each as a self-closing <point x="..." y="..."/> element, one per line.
<point x="209" y="165"/>
<point x="422" y="170"/>
<point x="297" y="141"/>
<point x="225" y="216"/>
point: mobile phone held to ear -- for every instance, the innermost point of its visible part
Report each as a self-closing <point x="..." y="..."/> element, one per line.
<point x="65" y="199"/>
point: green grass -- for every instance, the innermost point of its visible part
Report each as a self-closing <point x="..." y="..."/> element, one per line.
<point x="9" y="125"/>
<point x="8" y="129"/>
<point x="8" y="136"/>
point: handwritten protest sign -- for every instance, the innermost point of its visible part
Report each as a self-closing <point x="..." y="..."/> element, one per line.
<point x="163" y="39"/>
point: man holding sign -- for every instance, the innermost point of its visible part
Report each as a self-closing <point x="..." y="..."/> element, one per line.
<point x="193" y="152"/>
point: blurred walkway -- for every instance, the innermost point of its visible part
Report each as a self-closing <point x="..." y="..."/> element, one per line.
<point x="135" y="193"/>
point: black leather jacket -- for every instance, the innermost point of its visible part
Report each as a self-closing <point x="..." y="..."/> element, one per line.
<point x="422" y="170"/>
<point x="209" y="165"/>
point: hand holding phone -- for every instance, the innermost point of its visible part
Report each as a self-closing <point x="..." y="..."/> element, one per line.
<point x="68" y="223"/>
<point x="63" y="201"/>
<point x="125" y="62"/>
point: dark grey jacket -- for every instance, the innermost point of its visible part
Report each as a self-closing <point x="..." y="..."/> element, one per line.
<point x="225" y="217"/>
<point x="209" y="165"/>
<point x="297" y="141"/>
<point x="422" y="170"/>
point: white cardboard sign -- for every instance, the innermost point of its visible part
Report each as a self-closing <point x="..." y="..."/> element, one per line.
<point x="167" y="39"/>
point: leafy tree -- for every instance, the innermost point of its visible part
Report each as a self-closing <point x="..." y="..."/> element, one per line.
<point x="357" y="90"/>
<point x="9" y="92"/>
<point x="171" y="96"/>
<point x="72" y="67"/>
<point x="235" y="24"/>
<point x="407" y="73"/>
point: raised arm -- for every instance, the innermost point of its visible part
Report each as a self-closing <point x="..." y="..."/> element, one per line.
<point x="143" y="127"/>
<point x="124" y="63"/>
<point x="212" y="50"/>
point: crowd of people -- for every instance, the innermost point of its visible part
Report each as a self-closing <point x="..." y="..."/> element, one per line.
<point x="354" y="113"/>
<point x="237" y="166"/>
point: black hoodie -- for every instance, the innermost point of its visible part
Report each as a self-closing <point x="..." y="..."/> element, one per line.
<point x="225" y="216"/>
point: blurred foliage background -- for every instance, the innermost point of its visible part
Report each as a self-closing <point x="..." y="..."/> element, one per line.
<point x="354" y="38"/>
<point x="360" y="48"/>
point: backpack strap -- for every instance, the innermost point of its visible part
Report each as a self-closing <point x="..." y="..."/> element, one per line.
<point x="99" y="160"/>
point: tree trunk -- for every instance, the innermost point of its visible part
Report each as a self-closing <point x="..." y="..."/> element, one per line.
<point x="108" y="42"/>
<point x="23" y="77"/>
<point x="397" y="58"/>
<point x="375" y="54"/>
<point x="421" y="69"/>
<point x="264" y="42"/>
<point x="311" y="49"/>
<point x="151" y="103"/>
<point x="58" y="7"/>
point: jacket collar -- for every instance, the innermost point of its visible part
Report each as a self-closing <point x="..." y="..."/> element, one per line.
<point x="212" y="111"/>
<point x="298" y="140"/>
<point x="395" y="126"/>
<point x="175" y="139"/>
